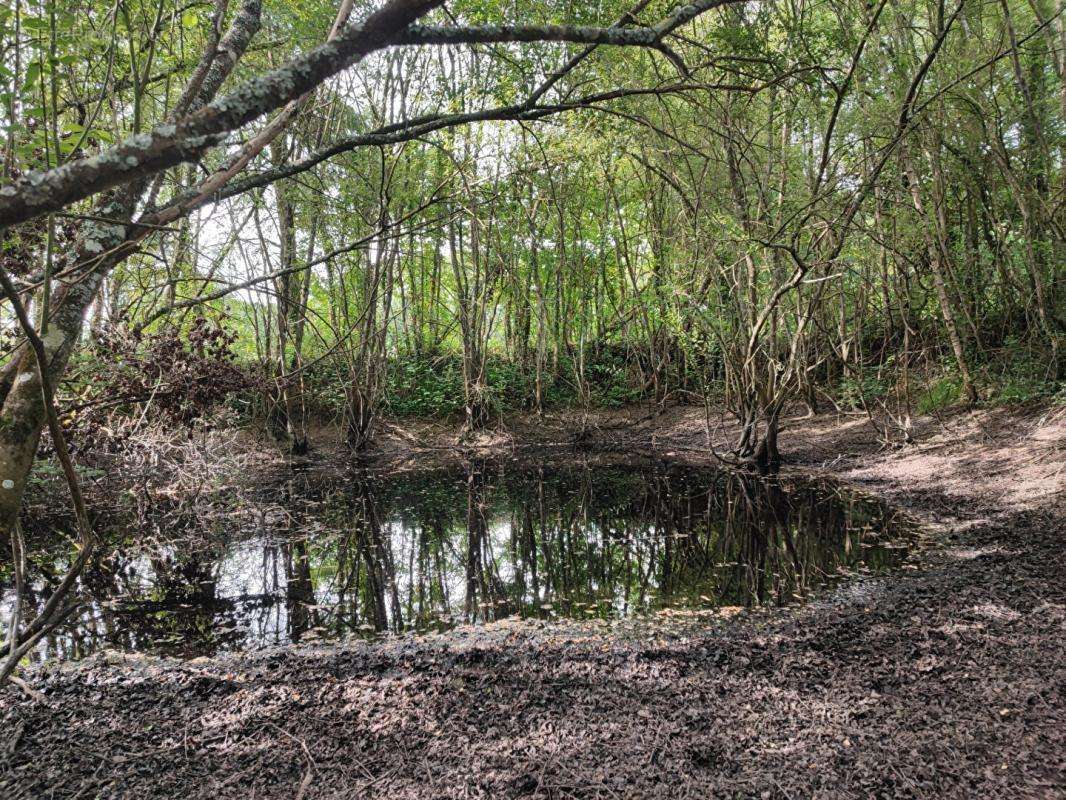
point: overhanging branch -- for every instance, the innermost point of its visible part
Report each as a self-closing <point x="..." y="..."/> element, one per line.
<point x="167" y="145"/>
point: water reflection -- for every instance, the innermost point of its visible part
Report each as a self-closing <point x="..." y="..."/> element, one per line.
<point x="328" y="557"/>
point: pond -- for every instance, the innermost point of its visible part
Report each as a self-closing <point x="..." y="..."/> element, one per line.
<point x="310" y="556"/>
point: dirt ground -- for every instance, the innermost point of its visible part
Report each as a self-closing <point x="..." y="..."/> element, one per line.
<point x="942" y="681"/>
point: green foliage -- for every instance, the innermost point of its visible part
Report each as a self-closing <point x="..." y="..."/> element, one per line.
<point x="1018" y="390"/>
<point x="622" y="249"/>
<point x="939" y="395"/>
<point x="856" y="393"/>
<point x="1020" y="376"/>
<point x="424" y="387"/>
<point x="433" y="386"/>
<point x="607" y="375"/>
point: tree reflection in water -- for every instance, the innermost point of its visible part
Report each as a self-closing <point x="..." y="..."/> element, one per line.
<point x="361" y="555"/>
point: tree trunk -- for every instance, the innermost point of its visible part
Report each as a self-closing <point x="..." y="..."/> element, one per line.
<point x="935" y="250"/>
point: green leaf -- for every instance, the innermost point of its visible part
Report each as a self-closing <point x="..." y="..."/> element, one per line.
<point x="35" y="24"/>
<point x="33" y="72"/>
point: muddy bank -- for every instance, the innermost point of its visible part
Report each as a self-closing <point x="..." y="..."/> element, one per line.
<point x="945" y="681"/>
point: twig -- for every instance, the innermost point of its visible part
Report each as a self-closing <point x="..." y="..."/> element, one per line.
<point x="29" y="690"/>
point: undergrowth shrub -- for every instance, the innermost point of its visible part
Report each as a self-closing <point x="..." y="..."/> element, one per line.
<point x="423" y="387"/>
<point x="940" y="394"/>
<point x="432" y="386"/>
<point x="611" y="379"/>
<point x="178" y="377"/>
<point x="853" y="393"/>
<point x="1019" y="375"/>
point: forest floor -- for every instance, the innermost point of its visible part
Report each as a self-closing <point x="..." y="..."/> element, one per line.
<point x="941" y="681"/>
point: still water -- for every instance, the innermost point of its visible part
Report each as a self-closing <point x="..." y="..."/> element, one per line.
<point x="310" y="556"/>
